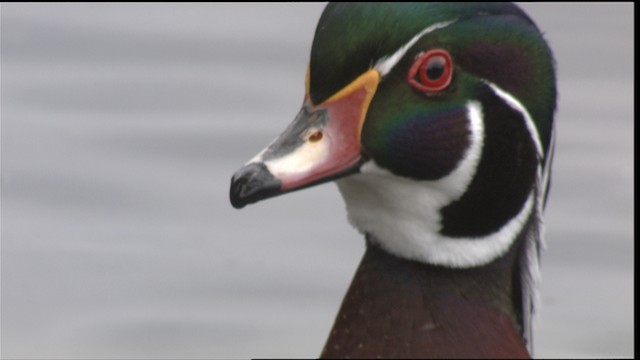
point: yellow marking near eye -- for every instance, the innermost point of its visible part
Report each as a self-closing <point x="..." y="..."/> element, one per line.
<point x="369" y="82"/>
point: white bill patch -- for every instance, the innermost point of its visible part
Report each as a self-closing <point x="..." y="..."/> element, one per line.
<point x="386" y="64"/>
<point x="300" y="160"/>
<point x="404" y="214"/>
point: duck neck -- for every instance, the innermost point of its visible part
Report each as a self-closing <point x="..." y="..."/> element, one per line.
<point x="402" y="308"/>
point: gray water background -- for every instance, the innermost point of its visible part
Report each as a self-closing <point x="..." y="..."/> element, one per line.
<point x="122" y="124"/>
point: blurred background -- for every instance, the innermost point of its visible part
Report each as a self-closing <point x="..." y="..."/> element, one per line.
<point x="121" y="127"/>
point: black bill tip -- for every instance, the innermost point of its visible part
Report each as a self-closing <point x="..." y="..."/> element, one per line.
<point x="252" y="183"/>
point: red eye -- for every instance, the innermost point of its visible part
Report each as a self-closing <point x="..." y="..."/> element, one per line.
<point x="431" y="72"/>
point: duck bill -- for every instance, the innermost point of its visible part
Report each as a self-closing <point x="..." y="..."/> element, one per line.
<point x="320" y="145"/>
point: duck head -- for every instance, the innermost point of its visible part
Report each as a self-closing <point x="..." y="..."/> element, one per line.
<point x="435" y="120"/>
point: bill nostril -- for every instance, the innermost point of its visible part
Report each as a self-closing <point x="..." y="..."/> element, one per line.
<point x="316" y="136"/>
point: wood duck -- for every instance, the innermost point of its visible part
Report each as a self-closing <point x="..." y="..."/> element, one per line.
<point x="436" y="123"/>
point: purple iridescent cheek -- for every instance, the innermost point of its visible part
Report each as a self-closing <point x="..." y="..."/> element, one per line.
<point x="429" y="148"/>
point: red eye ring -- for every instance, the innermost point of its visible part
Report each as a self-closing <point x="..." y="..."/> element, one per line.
<point x="439" y="63"/>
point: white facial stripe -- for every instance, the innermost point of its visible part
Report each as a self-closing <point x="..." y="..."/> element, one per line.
<point x="547" y="163"/>
<point x="404" y="215"/>
<point x="516" y="105"/>
<point x="456" y="183"/>
<point x="535" y="240"/>
<point x="385" y="64"/>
